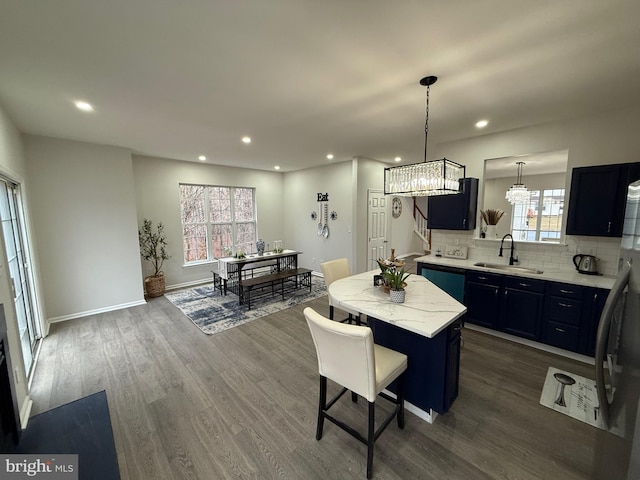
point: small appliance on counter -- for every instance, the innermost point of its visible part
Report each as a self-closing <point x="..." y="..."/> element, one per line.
<point x="587" y="264"/>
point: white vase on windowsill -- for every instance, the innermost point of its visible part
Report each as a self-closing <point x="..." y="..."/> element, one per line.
<point x="492" y="231"/>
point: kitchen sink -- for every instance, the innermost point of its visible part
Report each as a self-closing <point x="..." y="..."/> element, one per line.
<point x="507" y="268"/>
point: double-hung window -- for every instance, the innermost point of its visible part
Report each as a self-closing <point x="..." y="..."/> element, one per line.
<point x="540" y="218"/>
<point x="216" y="220"/>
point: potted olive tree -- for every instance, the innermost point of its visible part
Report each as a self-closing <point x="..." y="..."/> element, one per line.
<point x="395" y="279"/>
<point x="153" y="243"/>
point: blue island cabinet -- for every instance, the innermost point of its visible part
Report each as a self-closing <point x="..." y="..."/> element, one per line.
<point x="433" y="367"/>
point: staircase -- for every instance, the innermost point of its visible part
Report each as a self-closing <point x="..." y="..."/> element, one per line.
<point x="420" y="226"/>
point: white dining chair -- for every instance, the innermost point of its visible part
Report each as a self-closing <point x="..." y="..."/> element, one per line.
<point x="333" y="270"/>
<point x="348" y="356"/>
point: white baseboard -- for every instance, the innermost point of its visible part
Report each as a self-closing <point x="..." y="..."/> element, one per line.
<point x="428" y="416"/>
<point x="194" y="283"/>
<point x="25" y="411"/>
<point x="96" y="311"/>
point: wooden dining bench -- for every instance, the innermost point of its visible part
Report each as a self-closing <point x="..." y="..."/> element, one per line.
<point x="301" y="277"/>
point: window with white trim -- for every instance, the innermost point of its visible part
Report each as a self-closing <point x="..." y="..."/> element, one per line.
<point x="216" y="220"/>
<point x="539" y="219"/>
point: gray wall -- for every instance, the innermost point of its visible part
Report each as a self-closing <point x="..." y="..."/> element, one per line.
<point x="158" y="199"/>
<point x="300" y="191"/>
<point x="596" y="140"/>
<point x="84" y="216"/>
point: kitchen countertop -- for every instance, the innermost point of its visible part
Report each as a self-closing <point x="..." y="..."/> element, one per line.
<point x="564" y="276"/>
<point x="426" y="311"/>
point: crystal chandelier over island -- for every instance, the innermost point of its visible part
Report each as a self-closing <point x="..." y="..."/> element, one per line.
<point x="518" y="192"/>
<point x="437" y="177"/>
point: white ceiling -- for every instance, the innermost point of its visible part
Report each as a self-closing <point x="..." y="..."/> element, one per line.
<point x="305" y="77"/>
<point x="534" y="164"/>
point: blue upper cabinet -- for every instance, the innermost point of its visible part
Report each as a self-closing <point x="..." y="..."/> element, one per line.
<point x="454" y="212"/>
<point x="597" y="199"/>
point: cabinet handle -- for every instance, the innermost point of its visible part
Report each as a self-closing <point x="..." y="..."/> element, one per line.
<point x="483" y="278"/>
<point x="560" y="330"/>
<point x="566" y="291"/>
<point x="609" y="228"/>
<point x="565" y="305"/>
<point x="496" y="292"/>
<point x="464" y="222"/>
<point x="524" y="284"/>
<point x="505" y="294"/>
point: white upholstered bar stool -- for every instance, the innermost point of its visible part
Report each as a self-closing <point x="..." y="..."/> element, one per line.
<point x="335" y="270"/>
<point x="348" y="356"/>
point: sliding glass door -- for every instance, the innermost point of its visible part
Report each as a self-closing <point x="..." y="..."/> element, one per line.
<point x="12" y="219"/>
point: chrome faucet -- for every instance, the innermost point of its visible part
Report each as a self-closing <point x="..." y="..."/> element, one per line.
<point x="512" y="259"/>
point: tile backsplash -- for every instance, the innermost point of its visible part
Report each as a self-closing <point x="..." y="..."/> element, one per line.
<point x="534" y="255"/>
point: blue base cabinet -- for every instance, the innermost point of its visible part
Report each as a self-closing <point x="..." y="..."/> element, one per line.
<point x="563" y="313"/>
<point x="557" y="314"/>
<point x="521" y="311"/>
<point x="482" y="298"/>
<point x="433" y="366"/>
<point x="571" y="316"/>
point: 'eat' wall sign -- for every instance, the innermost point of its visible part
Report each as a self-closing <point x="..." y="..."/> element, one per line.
<point x="323" y="197"/>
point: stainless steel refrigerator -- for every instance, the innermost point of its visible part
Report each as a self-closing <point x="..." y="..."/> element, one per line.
<point x="617" y="450"/>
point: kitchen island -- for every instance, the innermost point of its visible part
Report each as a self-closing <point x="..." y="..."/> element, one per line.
<point x="426" y="327"/>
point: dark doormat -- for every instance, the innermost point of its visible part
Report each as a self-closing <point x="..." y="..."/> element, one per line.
<point x="82" y="427"/>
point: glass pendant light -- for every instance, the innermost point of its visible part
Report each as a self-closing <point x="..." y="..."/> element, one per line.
<point x="518" y="192"/>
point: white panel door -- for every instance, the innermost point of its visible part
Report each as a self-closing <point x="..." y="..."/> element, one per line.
<point x="376" y="227"/>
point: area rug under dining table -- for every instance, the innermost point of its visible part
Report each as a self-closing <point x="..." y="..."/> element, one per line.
<point x="213" y="312"/>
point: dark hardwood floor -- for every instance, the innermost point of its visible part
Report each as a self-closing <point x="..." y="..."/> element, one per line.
<point x="242" y="404"/>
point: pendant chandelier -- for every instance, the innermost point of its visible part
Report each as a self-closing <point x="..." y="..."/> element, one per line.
<point x="437" y="177"/>
<point x="518" y="192"/>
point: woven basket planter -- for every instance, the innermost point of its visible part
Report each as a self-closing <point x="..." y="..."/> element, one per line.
<point x="154" y="285"/>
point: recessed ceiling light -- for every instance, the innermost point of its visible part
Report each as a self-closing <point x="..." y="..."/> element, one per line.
<point x="277" y="167"/>
<point x="398" y="159"/>
<point x="202" y="158"/>
<point x="482" y="123"/>
<point x="84" y="106"/>
<point x="246" y="139"/>
<point x="330" y="156"/>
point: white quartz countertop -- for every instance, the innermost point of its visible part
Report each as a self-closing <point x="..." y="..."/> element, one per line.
<point x="427" y="310"/>
<point x="564" y="276"/>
